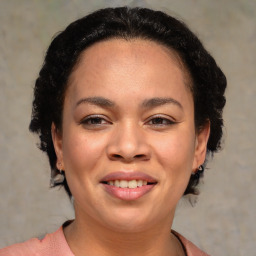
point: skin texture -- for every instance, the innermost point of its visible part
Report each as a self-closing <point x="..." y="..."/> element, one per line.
<point x="130" y="134"/>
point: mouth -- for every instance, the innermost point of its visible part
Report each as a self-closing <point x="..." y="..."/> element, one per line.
<point x="128" y="186"/>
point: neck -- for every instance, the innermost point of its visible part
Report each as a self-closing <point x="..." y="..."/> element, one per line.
<point x="90" y="238"/>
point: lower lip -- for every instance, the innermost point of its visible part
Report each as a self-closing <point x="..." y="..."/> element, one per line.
<point x="128" y="194"/>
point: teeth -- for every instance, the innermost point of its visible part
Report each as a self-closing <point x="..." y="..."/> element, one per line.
<point x="139" y="183"/>
<point x="127" y="184"/>
<point x="123" y="184"/>
<point x="132" y="184"/>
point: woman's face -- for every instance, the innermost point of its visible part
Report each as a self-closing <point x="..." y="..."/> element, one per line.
<point x="128" y="143"/>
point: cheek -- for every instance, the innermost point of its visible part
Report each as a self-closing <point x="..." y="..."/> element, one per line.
<point x="176" y="149"/>
<point x="81" y="152"/>
<point x="176" y="160"/>
<point x="175" y="154"/>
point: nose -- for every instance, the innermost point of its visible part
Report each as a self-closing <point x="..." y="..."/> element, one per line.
<point x="129" y="144"/>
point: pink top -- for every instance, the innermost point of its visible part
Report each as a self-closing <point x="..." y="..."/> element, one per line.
<point x="55" y="244"/>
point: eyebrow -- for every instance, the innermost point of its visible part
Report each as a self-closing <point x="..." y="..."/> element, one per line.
<point x="98" y="101"/>
<point x="155" y="102"/>
<point x="149" y="103"/>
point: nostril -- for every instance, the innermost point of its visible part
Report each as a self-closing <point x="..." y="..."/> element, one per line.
<point x="116" y="156"/>
<point x="139" y="156"/>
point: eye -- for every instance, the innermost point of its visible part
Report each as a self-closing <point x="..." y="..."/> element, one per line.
<point x="94" y="120"/>
<point x="160" y="121"/>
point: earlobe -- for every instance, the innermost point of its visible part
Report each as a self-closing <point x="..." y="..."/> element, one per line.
<point x="201" y="146"/>
<point x="57" y="143"/>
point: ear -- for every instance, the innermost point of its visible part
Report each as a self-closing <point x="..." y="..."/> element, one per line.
<point x="57" y="143"/>
<point x="201" y="146"/>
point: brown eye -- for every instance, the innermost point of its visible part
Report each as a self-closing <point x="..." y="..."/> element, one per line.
<point x="160" y="121"/>
<point x="94" y="121"/>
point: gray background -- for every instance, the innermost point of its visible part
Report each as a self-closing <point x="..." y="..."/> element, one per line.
<point x="223" y="221"/>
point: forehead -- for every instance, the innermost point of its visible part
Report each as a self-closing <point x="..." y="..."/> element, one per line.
<point x="116" y="51"/>
<point x="117" y="63"/>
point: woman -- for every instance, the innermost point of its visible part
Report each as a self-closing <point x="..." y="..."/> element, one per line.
<point x="127" y="106"/>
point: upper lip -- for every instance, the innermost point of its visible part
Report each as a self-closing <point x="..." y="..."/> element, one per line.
<point x="128" y="175"/>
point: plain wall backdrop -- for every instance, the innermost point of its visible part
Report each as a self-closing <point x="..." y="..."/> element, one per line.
<point x="223" y="221"/>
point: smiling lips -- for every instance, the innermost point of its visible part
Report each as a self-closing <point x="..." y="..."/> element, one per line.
<point x="128" y="186"/>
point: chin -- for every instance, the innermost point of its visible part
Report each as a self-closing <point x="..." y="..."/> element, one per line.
<point x="129" y="220"/>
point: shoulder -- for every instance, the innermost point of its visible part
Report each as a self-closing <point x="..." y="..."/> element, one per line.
<point x="190" y="248"/>
<point x="52" y="244"/>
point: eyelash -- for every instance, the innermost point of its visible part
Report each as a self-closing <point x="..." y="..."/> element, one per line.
<point x="89" y="121"/>
<point x="161" y="118"/>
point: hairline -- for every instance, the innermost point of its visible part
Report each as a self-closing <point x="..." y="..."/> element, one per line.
<point x="173" y="53"/>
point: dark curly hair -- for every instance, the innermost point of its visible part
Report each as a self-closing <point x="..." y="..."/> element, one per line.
<point x="208" y="83"/>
